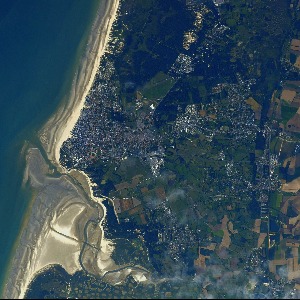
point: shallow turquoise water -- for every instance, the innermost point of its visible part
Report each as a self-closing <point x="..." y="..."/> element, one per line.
<point x="41" y="43"/>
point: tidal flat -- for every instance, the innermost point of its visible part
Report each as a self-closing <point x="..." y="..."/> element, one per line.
<point x="41" y="46"/>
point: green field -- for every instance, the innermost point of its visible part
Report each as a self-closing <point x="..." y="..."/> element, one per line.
<point x="287" y="113"/>
<point x="158" y="87"/>
<point x="275" y="201"/>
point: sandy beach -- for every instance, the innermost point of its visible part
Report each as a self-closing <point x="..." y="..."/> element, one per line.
<point x="53" y="233"/>
<point x="47" y="228"/>
<point x="59" y="126"/>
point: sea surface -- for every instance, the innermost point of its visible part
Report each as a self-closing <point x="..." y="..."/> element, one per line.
<point x="41" y="45"/>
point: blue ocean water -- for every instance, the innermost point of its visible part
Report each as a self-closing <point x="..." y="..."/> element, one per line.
<point x="41" y="43"/>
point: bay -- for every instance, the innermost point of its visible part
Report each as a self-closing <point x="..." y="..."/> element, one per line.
<point x="41" y="45"/>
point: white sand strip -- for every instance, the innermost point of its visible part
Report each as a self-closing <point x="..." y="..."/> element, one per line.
<point x="59" y="127"/>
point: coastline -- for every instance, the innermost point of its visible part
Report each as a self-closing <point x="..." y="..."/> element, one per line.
<point x="51" y="235"/>
<point x="26" y="263"/>
<point x="59" y="127"/>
